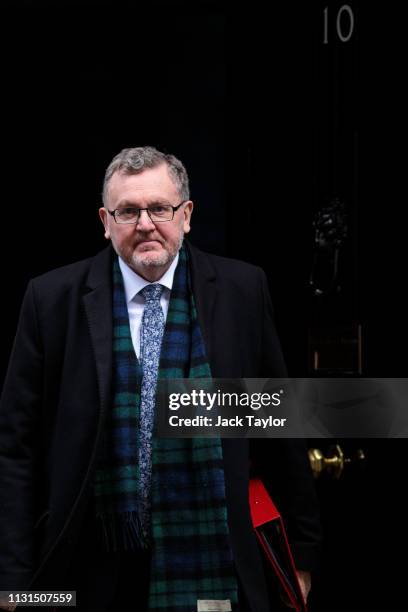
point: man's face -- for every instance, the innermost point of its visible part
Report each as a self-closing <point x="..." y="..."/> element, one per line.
<point x="146" y="247"/>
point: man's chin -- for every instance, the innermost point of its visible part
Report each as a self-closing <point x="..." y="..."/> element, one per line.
<point x="150" y="259"/>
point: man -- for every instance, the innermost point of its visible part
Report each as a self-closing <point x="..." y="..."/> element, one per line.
<point x="90" y="500"/>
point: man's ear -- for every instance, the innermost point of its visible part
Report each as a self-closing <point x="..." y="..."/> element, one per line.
<point x="187" y="212"/>
<point x="103" y="215"/>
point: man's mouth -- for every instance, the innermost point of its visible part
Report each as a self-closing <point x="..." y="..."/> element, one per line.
<point x="148" y="243"/>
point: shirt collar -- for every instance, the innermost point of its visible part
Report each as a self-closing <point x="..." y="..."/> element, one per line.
<point x="134" y="283"/>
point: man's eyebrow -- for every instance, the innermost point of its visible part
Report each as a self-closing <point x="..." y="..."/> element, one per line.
<point x="126" y="203"/>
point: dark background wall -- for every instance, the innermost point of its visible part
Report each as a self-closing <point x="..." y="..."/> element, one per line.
<point x="266" y="117"/>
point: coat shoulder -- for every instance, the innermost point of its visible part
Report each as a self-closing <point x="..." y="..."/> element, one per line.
<point x="71" y="275"/>
<point x="241" y="272"/>
<point x="235" y="267"/>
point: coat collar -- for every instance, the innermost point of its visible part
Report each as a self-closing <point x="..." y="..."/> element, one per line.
<point x="100" y="271"/>
<point x="203" y="280"/>
<point x="98" y="307"/>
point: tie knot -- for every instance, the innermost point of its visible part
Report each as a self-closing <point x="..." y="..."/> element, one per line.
<point x="152" y="293"/>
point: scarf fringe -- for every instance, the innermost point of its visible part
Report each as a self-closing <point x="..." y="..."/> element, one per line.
<point x="121" y="531"/>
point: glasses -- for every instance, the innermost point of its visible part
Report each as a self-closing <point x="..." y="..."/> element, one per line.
<point x="158" y="213"/>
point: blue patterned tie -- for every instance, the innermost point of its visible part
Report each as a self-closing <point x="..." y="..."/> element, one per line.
<point x="151" y="335"/>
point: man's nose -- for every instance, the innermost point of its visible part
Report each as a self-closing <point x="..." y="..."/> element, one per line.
<point x="144" y="222"/>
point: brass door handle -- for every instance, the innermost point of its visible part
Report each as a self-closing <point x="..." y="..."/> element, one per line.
<point x="333" y="462"/>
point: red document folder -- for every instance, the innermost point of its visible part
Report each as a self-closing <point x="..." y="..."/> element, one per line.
<point x="270" y="531"/>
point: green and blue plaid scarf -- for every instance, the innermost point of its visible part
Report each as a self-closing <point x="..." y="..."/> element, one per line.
<point x="190" y="545"/>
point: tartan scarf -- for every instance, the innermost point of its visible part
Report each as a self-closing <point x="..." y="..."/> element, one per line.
<point x="191" y="555"/>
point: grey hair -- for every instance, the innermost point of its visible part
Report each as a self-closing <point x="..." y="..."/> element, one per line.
<point x="135" y="160"/>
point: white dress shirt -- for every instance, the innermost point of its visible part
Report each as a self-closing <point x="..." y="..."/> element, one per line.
<point x="135" y="302"/>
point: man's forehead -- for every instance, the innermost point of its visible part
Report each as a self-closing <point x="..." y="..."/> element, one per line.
<point x="153" y="183"/>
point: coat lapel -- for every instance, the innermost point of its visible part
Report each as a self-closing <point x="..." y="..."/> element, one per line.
<point x="203" y="277"/>
<point x="98" y="307"/>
